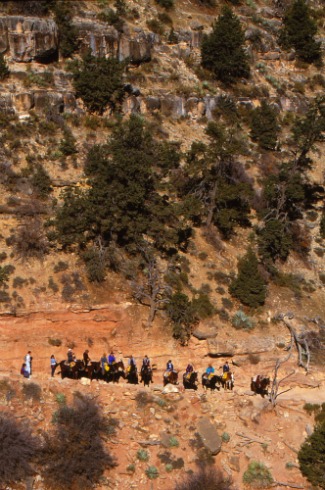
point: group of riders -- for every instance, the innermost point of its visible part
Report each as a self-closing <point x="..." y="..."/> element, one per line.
<point x="108" y="363"/>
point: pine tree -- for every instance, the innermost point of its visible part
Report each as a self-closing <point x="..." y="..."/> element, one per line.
<point x="299" y="32"/>
<point x="223" y="50"/>
<point x="264" y="127"/>
<point x="274" y="241"/>
<point x="4" y="70"/>
<point x="249" y="286"/>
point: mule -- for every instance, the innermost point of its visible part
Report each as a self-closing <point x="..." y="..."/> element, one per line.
<point x="116" y="372"/>
<point x="132" y="375"/>
<point x="228" y="381"/>
<point x="73" y="370"/>
<point x="211" y="381"/>
<point x="190" y="380"/>
<point x="170" y="377"/>
<point x="146" y="375"/>
<point x="259" y="384"/>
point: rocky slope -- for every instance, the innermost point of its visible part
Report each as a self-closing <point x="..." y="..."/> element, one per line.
<point x="49" y="303"/>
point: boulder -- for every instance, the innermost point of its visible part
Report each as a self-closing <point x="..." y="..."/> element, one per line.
<point x="204" y="332"/>
<point x="209" y="435"/>
<point x="85" y="381"/>
<point x="169" y="388"/>
<point x="29" y="38"/>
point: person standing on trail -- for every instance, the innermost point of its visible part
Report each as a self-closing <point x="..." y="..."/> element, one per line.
<point x="28" y="362"/>
<point x="86" y="358"/>
<point x="53" y="365"/>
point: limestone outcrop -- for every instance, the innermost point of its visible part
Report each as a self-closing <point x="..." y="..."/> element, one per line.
<point x="26" y="39"/>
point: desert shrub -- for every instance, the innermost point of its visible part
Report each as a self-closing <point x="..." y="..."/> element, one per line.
<point x="152" y="472"/>
<point x="166" y="4"/>
<point x="68" y="143"/>
<point x="30" y="240"/>
<point x="131" y="468"/>
<point x="258" y="475"/>
<point x="5" y="271"/>
<point x="61" y="266"/>
<point x="322" y="225"/>
<point x="312" y="453"/>
<point x="226" y="303"/>
<point x="55" y="342"/>
<point x="61" y="398"/>
<point x="155" y="26"/>
<point x="165" y="18"/>
<point x="41" y="182"/>
<point x="249" y="286"/>
<point x="142" y="399"/>
<point x="18" y="449"/>
<point x="3" y="256"/>
<point x="18" y="282"/>
<point x="98" y="82"/>
<point x="242" y="321"/>
<point x="142" y="455"/>
<point x="203" y="479"/>
<point x="96" y="262"/>
<point x="4" y="70"/>
<point x="202" y="307"/>
<point x="223" y="50"/>
<point x="32" y="391"/>
<point x="52" y="285"/>
<point x="67" y="457"/>
<point x="173" y="441"/>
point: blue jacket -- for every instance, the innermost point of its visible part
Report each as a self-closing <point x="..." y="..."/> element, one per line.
<point x="210" y="370"/>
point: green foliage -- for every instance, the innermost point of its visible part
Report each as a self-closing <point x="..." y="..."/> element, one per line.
<point x="322" y="225"/>
<point x="68" y="143"/>
<point x="68" y="33"/>
<point x="32" y="391"/>
<point x="308" y="130"/>
<point x="142" y="455"/>
<point x="95" y="264"/>
<point x="299" y="30"/>
<point x="152" y="472"/>
<point x="258" y="475"/>
<point x="249" y="286"/>
<point x="173" y="441"/>
<point x="312" y="453"/>
<point x="202" y="307"/>
<point x="71" y="219"/>
<point x="223" y="50"/>
<point x="166" y="4"/>
<point x="61" y="399"/>
<point x="41" y="181"/>
<point x="274" y="241"/>
<point x="98" y="82"/>
<point x="242" y="321"/>
<point x="180" y="312"/>
<point x="4" y="70"/>
<point x="264" y="126"/>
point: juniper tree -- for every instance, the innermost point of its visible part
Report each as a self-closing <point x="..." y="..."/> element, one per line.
<point x="264" y="126"/>
<point x="223" y="50"/>
<point x="274" y="241"/>
<point x="299" y="30"/>
<point x="4" y="70"/>
<point x="249" y="286"/>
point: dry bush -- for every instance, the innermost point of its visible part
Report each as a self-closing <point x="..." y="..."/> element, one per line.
<point x="204" y="479"/>
<point x="212" y="236"/>
<point x="32" y="391"/>
<point x="73" y="456"/>
<point x="17" y="450"/>
<point x="30" y="241"/>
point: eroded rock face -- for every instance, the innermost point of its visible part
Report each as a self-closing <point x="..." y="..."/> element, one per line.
<point x="250" y="345"/>
<point x="104" y="40"/>
<point x="29" y="38"/>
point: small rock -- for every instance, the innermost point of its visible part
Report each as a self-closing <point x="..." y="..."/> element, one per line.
<point x="169" y="388"/>
<point x="234" y="463"/>
<point x="152" y="411"/>
<point x="309" y="430"/>
<point x="158" y="417"/>
<point x="85" y="381"/>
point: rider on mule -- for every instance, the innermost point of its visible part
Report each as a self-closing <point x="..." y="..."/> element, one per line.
<point x="225" y="367"/>
<point x="111" y="359"/>
<point x="132" y="363"/>
<point x="103" y="362"/>
<point x="210" y="371"/>
<point x="169" y="369"/>
<point x="189" y="370"/>
<point x="71" y="357"/>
